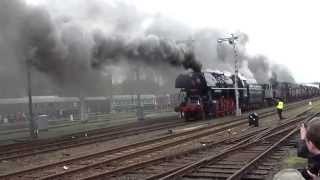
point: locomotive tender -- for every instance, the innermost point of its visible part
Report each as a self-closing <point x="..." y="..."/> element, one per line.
<point x="212" y="94"/>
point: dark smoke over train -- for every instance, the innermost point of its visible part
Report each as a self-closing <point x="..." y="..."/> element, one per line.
<point x="150" y="50"/>
<point x="72" y="50"/>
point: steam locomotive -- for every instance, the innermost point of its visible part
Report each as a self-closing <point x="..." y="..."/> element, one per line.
<point x="212" y="94"/>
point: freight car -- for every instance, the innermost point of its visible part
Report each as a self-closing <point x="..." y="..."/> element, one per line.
<point x="292" y="92"/>
<point x="53" y="106"/>
<point x="168" y="101"/>
<point x="16" y="109"/>
<point x="126" y="103"/>
<point x="212" y="94"/>
<point x="150" y="102"/>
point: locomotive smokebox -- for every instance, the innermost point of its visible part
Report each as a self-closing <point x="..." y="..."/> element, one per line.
<point x="190" y="81"/>
<point x="253" y="119"/>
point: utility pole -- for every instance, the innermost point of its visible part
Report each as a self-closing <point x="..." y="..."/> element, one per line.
<point x="232" y="41"/>
<point x="82" y="107"/>
<point x="33" y="129"/>
<point x="111" y="91"/>
<point x="140" y="113"/>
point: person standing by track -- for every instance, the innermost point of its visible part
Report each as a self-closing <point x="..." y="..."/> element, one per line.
<point x="279" y="107"/>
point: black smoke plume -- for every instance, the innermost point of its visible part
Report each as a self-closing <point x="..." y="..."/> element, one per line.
<point x="64" y="50"/>
<point x="71" y="49"/>
<point x="150" y="50"/>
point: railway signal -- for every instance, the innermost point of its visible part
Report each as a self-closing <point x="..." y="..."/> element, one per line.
<point x="232" y="41"/>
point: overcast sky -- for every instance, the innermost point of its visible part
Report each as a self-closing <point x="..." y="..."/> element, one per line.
<point x="285" y="31"/>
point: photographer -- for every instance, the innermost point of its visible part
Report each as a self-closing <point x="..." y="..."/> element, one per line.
<point x="309" y="147"/>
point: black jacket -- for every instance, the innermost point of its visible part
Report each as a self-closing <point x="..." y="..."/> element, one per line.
<point x="313" y="160"/>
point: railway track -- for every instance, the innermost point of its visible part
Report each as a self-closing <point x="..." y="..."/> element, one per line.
<point x="20" y="150"/>
<point x="27" y="149"/>
<point x="105" y="161"/>
<point x="254" y="159"/>
<point x="110" y="156"/>
<point x="101" y="118"/>
<point x="149" y="170"/>
<point x="91" y="132"/>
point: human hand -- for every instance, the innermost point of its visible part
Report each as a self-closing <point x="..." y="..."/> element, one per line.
<point x="313" y="176"/>
<point x="303" y="132"/>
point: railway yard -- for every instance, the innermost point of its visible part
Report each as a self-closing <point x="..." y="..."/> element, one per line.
<point x="158" y="90"/>
<point x="163" y="147"/>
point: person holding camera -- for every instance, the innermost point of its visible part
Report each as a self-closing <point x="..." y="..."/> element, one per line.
<point x="309" y="147"/>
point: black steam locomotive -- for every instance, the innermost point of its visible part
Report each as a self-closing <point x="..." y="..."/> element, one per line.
<point x="212" y="94"/>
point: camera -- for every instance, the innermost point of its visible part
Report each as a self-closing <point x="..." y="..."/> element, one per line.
<point x="312" y="169"/>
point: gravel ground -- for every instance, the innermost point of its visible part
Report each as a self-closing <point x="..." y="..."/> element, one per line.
<point x="28" y="162"/>
<point x="45" y="158"/>
<point x="41" y="159"/>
